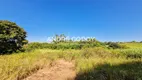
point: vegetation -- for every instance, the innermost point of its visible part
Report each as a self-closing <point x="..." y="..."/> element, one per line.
<point x="115" y="45"/>
<point x="97" y="63"/>
<point x="62" y="45"/>
<point x="94" y="60"/>
<point x="12" y="37"/>
<point x="59" y="42"/>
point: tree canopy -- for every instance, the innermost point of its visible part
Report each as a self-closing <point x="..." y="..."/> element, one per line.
<point x="12" y="37"/>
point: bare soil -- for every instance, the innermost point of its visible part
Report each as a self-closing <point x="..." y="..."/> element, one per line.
<point x="59" y="70"/>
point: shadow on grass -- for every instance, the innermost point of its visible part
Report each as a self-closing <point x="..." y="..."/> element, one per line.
<point x="127" y="71"/>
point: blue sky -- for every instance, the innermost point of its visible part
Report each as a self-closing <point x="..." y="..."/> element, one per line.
<point x="107" y="20"/>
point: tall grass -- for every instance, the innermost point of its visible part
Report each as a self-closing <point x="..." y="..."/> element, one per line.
<point x="91" y="63"/>
<point x="133" y="45"/>
<point x="112" y="65"/>
<point x="18" y="66"/>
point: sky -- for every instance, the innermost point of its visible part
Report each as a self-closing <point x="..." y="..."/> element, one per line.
<point x="106" y="20"/>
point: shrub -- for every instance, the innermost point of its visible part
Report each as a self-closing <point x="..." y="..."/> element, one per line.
<point x="116" y="45"/>
<point x="36" y="45"/>
<point x="12" y="37"/>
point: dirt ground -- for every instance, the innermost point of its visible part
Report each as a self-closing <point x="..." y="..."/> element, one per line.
<point x="59" y="70"/>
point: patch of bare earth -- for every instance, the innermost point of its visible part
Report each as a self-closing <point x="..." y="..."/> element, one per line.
<point x="59" y="70"/>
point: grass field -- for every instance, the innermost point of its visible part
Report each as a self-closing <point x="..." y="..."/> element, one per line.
<point x="133" y="45"/>
<point x="91" y="63"/>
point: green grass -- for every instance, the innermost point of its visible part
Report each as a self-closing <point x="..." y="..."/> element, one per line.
<point x="91" y="63"/>
<point x="133" y="45"/>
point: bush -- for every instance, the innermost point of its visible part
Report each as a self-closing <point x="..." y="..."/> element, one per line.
<point x="116" y="45"/>
<point x="36" y="45"/>
<point x="62" y="45"/>
<point x="12" y="37"/>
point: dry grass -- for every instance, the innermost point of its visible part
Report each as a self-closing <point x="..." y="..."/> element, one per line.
<point x="91" y="63"/>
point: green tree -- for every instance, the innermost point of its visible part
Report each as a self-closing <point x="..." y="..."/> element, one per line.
<point x="12" y="37"/>
<point x="56" y="39"/>
<point x="59" y="38"/>
<point x="62" y="38"/>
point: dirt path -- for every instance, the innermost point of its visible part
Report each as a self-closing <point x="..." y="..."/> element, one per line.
<point x="60" y="70"/>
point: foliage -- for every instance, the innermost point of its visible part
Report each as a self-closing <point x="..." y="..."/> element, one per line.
<point x="133" y="41"/>
<point x="62" y="45"/>
<point x="59" y="42"/>
<point x="114" y="45"/>
<point x="91" y="63"/>
<point x="59" y="38"/>
<point x="12" y="37"/>
<point x="93" y="60"/>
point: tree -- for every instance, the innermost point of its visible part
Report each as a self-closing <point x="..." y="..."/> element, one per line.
<point x="133" y="41"/>
<point x="56" y="38"/>
<point x="62" y="38"/>
<point x="59" y="38"/>
<point x="12" y="37"/>
<point x="116" y="45"/>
